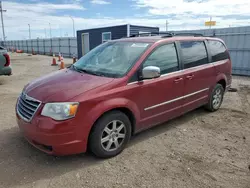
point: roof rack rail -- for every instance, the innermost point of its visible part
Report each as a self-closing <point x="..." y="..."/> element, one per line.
<point x="166" y="34"/>
<point x="189" y="34"/>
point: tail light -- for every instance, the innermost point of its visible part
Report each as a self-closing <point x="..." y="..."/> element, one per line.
<point x="7" y="57"/>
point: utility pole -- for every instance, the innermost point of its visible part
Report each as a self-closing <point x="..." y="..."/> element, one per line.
<point x="1" y="10"/>
<point x="73" y="26"/>
<point x="210" y="22"/>
<point x="29" y="32"/>
<point x="167" y="25"/>
<point x="60" y="31"/>
<point x="50" y="31"/>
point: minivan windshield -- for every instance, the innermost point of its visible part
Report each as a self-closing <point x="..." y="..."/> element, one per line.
<point x="111" y="59"/>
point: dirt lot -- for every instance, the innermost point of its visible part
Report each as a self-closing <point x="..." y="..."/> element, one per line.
<point x="199" y="149"/>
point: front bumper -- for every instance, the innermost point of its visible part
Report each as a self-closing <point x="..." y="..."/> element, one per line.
<point x="53" y="137"/>
<point x="7" y="71"/>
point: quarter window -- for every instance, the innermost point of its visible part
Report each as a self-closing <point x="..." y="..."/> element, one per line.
<point x="164" y="57"/>
<point x="218" y="50"/>
<point x="193" y="53"/>
<point x="106" y="36"/>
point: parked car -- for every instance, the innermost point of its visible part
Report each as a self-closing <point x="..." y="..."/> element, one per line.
<point x="121" y="88"/>
<point x="5" y="68"/>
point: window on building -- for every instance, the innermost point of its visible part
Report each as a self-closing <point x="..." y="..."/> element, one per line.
<point x="193" y="53"/>
<point x="164" y="57"/>
<point x="106" y="36"/>
<point x="218" y="50"/>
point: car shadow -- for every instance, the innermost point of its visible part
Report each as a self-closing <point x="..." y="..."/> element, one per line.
<point x="21" y="163"/>
<point x="165" y="127"/>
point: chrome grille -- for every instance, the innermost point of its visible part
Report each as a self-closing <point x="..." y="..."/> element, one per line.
<point x="27" y="107"/>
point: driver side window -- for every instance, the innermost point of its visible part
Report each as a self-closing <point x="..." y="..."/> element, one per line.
<point x="164" y="57"/>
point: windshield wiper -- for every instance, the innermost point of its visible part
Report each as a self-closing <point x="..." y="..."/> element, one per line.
<point x="87" y="71"/>
<point x="92" y="72"/>
<point x="76" y="68"/>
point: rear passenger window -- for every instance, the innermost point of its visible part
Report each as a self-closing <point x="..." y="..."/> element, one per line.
<point x="218" y="50"/>
<point x="193" y="53"/>
<point x="164" y="57"/>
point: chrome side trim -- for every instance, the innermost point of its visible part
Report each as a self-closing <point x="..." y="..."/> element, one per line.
<point x="136" y="82"/>
<point x="161" y="104"/>
<point x="176" y="99"/>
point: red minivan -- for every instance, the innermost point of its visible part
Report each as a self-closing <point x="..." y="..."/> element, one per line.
<point x="120" y="88"/>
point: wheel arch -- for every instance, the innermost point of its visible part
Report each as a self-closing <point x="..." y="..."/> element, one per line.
<point x="222" y="79"/>
<point x="125" y="106"/>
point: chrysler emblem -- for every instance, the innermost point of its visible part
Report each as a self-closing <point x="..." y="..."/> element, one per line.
<point x="24" y="96"/>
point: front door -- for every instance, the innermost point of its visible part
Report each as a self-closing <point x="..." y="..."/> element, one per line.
<point x="159" y="99"/>
<point x="85" y="43"/>
<point x="199" y="75"/>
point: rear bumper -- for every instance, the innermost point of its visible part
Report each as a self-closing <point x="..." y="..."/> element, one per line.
<point x="7" y="71"/>
<point x="51" y="137"/>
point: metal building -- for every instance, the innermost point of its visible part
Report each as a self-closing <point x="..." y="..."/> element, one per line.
<point x="90" y="38"/>
<point x="237" y="40"/>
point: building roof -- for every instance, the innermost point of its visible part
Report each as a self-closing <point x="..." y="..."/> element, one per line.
<point x="117" y="26"/>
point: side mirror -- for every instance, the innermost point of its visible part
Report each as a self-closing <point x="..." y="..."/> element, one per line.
<point x="150" y="72"/>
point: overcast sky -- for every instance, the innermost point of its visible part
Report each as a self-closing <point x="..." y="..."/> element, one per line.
<point x="181" y="14"/>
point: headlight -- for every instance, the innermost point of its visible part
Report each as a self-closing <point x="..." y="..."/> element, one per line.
<point x="60" y="111"/>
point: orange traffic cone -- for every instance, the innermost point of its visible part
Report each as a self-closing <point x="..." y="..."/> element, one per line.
<point x="54" y="61"/>
<point x="59" y="57"/>
<point x="62" y="66"/>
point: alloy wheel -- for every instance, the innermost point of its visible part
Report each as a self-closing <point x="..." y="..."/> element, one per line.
<point x="113" y="135"/>
<point x="217" y="98"/>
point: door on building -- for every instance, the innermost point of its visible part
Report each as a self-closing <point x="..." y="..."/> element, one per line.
<point x="85" y="43"/>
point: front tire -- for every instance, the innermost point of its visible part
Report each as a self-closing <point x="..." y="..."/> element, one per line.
<point x="110" y="134"/>
<point x="216" y="98"/>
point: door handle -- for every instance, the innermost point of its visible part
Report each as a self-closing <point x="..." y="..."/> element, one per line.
<point x="177" y="80"/>
<point x="190" y="77"/>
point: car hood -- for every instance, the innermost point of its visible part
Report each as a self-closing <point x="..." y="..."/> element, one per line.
<point x="63" y="85"/>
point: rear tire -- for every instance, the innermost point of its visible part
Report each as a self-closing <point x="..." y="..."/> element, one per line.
<point x="216" y="98"/>
<point x="110" y="134"/>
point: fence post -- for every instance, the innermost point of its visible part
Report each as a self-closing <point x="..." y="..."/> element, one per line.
<point x="27" y="46"/>
<point x="31" y="46"/>
<point x="37" y="41"/>
<point x="69" y="48"/>
<point x="59" y="41"/>
<point x="44" y="47"/>
<point x="51" y="46"/>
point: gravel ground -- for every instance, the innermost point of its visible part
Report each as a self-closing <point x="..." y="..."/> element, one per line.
<point x="197" y="150"/>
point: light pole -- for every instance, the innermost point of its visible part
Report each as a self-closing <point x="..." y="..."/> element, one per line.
<point x="29" y="32"/>
<point x="50" y="30"/>
<point x="166" y="25"/>
<point x="45" y="32"/>
<point x="1" y="9"/>
<point x="73" y="25"/>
